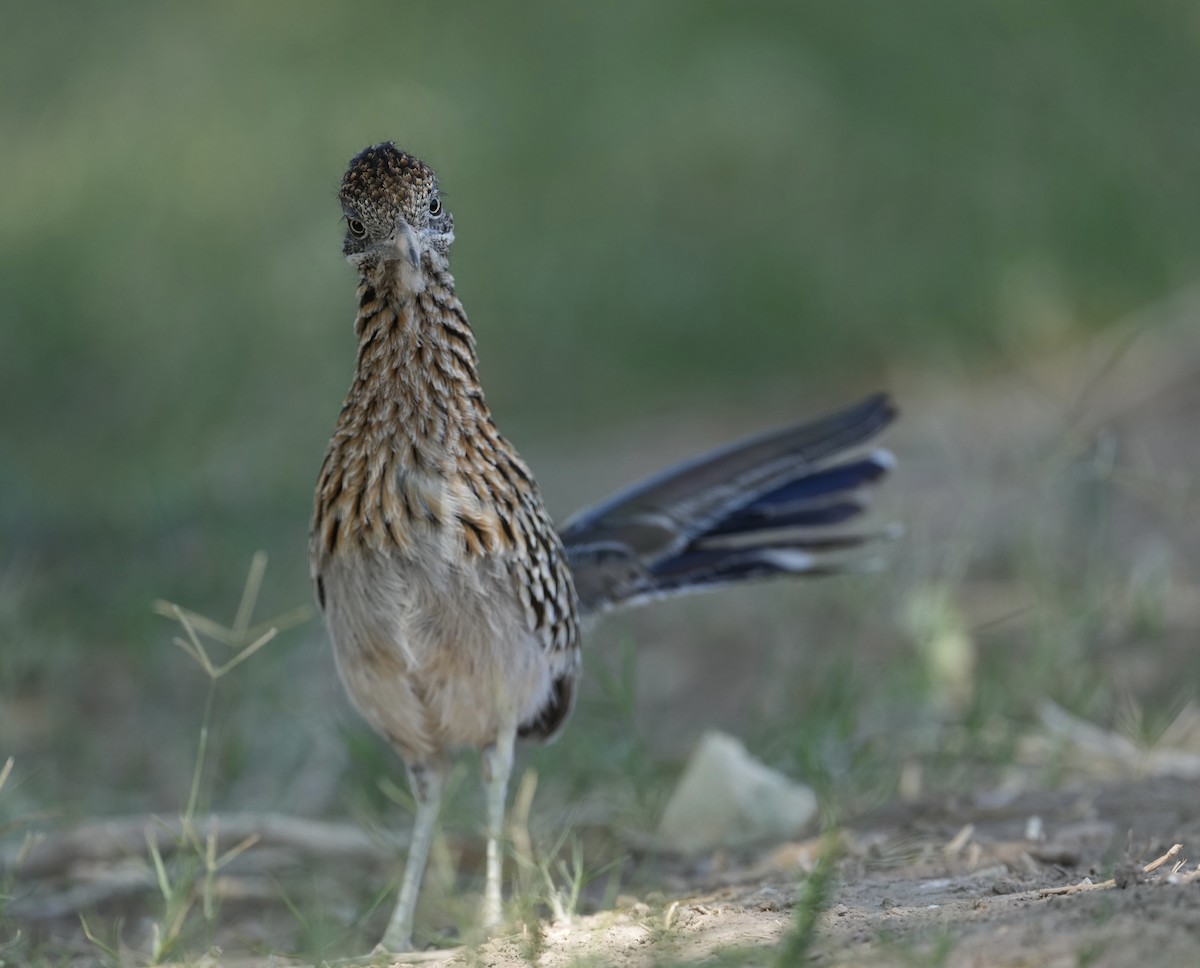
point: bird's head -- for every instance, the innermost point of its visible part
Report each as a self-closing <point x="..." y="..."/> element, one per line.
<point x="394" y="213"/>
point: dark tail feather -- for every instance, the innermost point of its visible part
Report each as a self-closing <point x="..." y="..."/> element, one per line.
<point x="700" y="571"/>
<point x="826" y="497"/>
<point x="673" y="506"/>
<point x="767" y="507"/>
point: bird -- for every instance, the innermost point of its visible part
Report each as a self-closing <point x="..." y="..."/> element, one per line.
<point x="454" y="604"/>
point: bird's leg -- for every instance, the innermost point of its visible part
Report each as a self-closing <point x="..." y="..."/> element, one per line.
<point x="426" y="780"/>
<point x="497" y="765"/>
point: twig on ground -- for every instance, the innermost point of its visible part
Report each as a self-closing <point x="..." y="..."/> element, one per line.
<point x="1157" y="863"/>
<point x="1088" y="885"/>
<point x="106" y="841"/>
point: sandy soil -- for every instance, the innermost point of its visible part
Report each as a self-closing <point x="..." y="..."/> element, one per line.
<point x="987" y="880"/>
<point x="950" y="884"/>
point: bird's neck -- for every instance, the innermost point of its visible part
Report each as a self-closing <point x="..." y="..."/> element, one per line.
<point x="415" y="451"/>
<point x="416" y="386"/>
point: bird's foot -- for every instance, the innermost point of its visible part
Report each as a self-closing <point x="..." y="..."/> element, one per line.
<point x="393" y="944"/>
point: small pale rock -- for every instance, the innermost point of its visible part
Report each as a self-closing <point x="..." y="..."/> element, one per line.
<point x="727" y="798"/>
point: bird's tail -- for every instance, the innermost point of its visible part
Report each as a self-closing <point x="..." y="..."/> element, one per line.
<point x="779" y="504"/>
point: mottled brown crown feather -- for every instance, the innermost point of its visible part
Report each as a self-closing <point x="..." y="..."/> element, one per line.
<point x="384" y="174"/>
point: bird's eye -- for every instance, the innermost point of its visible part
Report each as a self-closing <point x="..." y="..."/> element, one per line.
<point x="357" y="229"/>
<point x="435" y="205"/>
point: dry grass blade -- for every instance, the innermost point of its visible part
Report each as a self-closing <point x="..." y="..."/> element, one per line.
<point x="245" y="654"/>
<point x="518" y="827"/>
<point x="112" y="954"/>
<point x="213" y="865"/>
<point x="236" y="850"/>
<point x="160" y="870"/>
<point x="192" y="646"/>
<point x="214" y="630"/>
<point x="207" y="626"/>
<point x="258" y="567"/>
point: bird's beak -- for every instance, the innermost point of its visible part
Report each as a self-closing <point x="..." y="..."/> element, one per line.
<point x="406" y="243"/>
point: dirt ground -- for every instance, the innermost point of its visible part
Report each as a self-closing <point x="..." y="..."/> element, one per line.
<point x="956" y="884"/>
<point x="983" y="881"/>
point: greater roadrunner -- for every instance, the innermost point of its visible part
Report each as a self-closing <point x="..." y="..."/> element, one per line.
<point x="453" y="603"/>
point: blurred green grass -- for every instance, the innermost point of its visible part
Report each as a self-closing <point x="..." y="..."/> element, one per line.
<point x="685" y="208"/>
